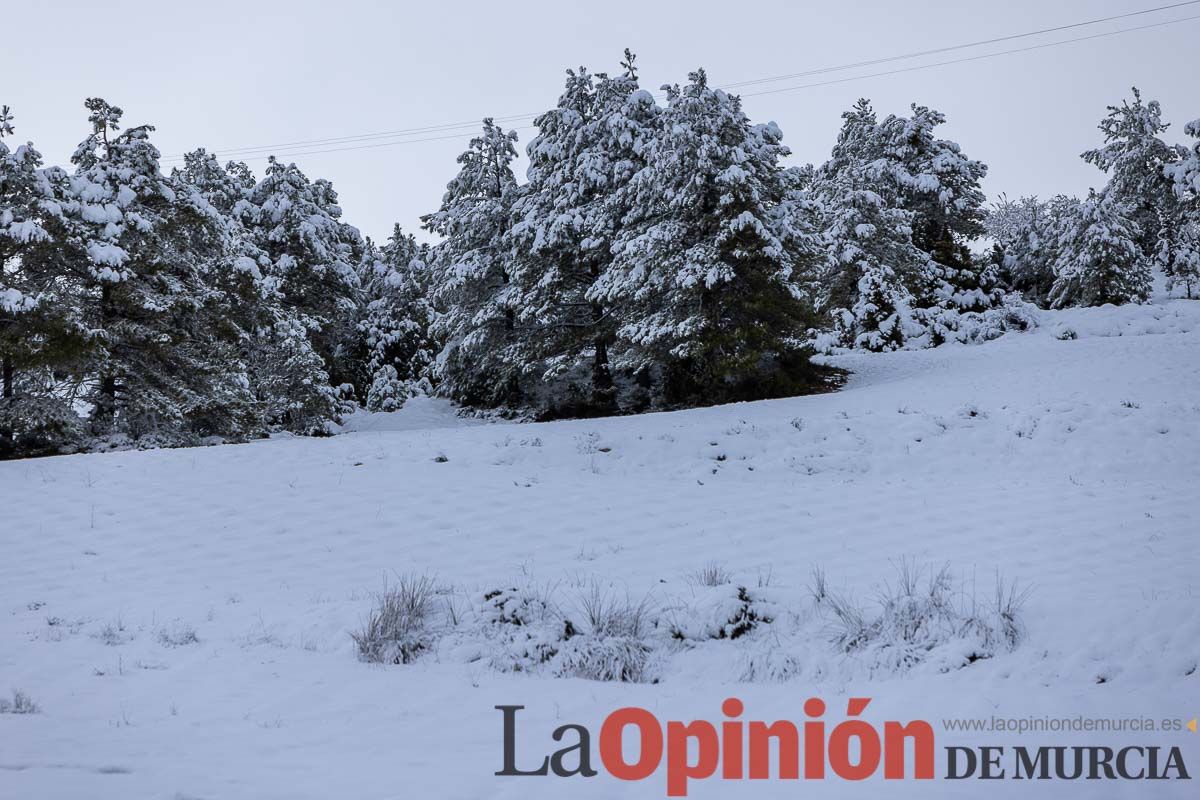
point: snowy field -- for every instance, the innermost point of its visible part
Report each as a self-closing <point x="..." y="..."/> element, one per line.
<point x="182" y="617"/>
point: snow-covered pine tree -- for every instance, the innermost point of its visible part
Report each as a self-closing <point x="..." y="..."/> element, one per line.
<point x="470" y="275"/>
<point x="1028" y="232"/>
<point x="707" y="286"/>
<point x="587" y="148"/>
<point x="1179" y="249"/>
<point x="312" y="261"/>
<point x="162" y="368"/>
<point x="21" y="194"/>
<point x="857" y="142"/>
<point x="40" y="330"/>
<point x="1178" y="252"/>
<point x="870" y="263"/>
<point x="551" y="270"/>
<point x="289" y="379"/>
<point x="626" y="125"/>
<point x="244" y="302"/>
<point x="798" y="219"/>
<point x="1099" y="259"/>
<point x="1185" y="172"/>
<point x="1136" y="159"/>
<point x="920" y="187"/>
<point x="395" y="324"/>
<point x="940" y="186"/>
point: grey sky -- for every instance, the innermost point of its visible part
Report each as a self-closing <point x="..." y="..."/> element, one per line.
<point x="237" y="74"/>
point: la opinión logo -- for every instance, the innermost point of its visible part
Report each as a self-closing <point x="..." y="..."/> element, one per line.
<point x="853" y="749"/>
<point x="733" y="749"/>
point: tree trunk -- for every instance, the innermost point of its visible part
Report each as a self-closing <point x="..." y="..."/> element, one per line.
<point x="105" y="411"/>
<point x="6" y="433"/>
<point x="604" y="394"/>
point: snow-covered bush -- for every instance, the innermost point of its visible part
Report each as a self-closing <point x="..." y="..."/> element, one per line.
<point x="777" y="633"/>
<point x="37" y="426"/>
<point x="177" y="634"/>
<point x="605" y="658"/>
<point x="931" y="326"/>
<point x="21" y="703"/>
<point x="711" y="574"/>
<point x="396" y="630"/>
<point x="607" y="614"/>
<point x="720" y="612"/>
<point x="925" y="617"/>
<point x="519" y="630"/>
<point x="772" y="665"/>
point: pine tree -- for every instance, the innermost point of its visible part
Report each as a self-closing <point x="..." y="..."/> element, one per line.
<point x="871" y="259"/>
<point x="1178" y="252"/>
<point x="1011" y="225"/>
<point x="919" y="202"/>
<point x="552" y="270"/>
<point x="40" y="332"/>
<point x="312" y="262"/>
<point x="857" y="142"/>
<point x="1179" y="244"/>
<point x="1027" y="232"/>
<point x="940" y="186"/>
<point x="146" y="242"/>
<point x="1185" y="172"/>
<point x="707" y="285"/>
<point x="395" y="323"/>
<point x="21" y="193"/>
<point x="1099" y="258"/>
<point x="1136" y="160"/>
<point x="470" y="281"/>
<point x="587" y="148"/>
<point x="871" y="264"/>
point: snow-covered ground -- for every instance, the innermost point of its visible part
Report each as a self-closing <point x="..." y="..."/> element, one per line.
<point x="182" y="617"/>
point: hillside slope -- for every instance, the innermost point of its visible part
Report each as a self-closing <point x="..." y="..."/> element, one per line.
<point x="182" y="616"/>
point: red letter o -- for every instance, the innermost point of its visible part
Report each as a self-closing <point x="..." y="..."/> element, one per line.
<point x="611" y="735"/>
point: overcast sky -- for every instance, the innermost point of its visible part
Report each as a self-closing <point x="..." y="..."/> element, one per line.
<point x="241" y="74"/>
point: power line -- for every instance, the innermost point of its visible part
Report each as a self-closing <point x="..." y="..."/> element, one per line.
<point x="381" y="135"/>
<point x="969" y="58"/>
<point x="289" y="149"/>
<point x="471" y="124"/>
<point x="979" y="43"/>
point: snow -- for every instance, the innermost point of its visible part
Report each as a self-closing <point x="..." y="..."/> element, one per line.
<point x="182" y="616"/>
<point x="14" y="302"/>
<point x="108" y="254"/>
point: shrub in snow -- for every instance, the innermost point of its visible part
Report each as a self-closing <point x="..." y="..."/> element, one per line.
<point x="177" y="635"/>
<point x="609" y="615"/>
<point x="918" y="620"/>
<point x="396" y="629"/>
<point x="604" y="658"/>
<point x="722" y="612"/>
<point x="771" y="666"/>
<point x="972" y="327"/>
<point x="114" y="633"/>
<point x="514" y="606"/>
<point x="21" y="703"/>
<point x="711" y="574"/>
<point x="34" y="426"/>
<point x="522" y="629"/>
